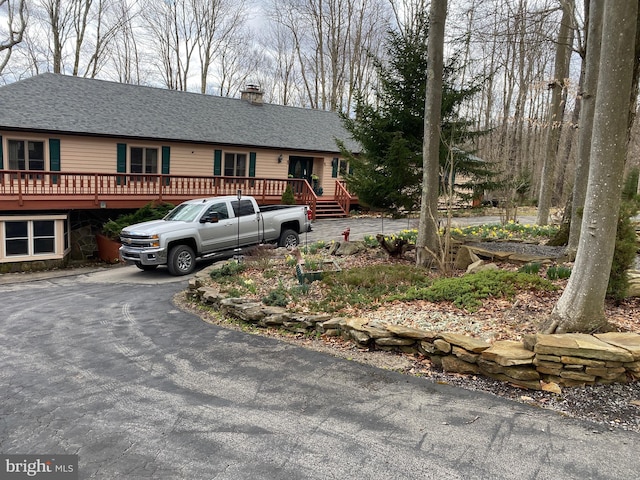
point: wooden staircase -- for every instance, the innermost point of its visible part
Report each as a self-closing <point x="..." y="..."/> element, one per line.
<point x="329" y="209"/>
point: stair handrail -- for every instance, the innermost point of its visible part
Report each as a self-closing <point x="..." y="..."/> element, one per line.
<point x="342" y="196"/>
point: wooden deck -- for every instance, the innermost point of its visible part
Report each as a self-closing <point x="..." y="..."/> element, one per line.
<point x="25" y="191"/>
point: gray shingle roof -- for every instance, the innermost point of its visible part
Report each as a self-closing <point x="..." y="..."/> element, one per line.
<point x="64" y="104"/>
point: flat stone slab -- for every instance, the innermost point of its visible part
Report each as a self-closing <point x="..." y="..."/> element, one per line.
<point x="526" y="258"/>
<point x="628" y="341"/>
<point x="356" y="323"/>
<point x="508" y="353"/>
<point x="409" y="332"/>
<point x="490" y="253"/>
<point x="468" y="343"/>
<point x="580" y="345"/>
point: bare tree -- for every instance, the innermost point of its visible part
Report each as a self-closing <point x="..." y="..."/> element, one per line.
<point x="174" y="33"/>
<point x="594" y="13"/>
<point x="581" y="306"/>
<point x="216" y="21"/>
<point x="428" y="242"/>
<point x="556" y="110"/>
<point x="125" y="54"/>
<point x="59" y="16"/>
<point x="238" y="63"/>
<point x="333" y="42"/>
<point x="15" y="13"/>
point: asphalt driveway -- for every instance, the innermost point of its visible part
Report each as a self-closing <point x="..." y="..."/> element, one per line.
<point x="104" y="366"/>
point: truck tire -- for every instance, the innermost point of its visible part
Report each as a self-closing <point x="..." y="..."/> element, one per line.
<point x="146" y="268"/>
<point x="181" y="260"/>
<point x="288" y="239"/>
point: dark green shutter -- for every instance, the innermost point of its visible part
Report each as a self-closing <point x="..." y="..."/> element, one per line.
<point x="54" y="154"/>
<point x="217" y="162"/>
<point x="350" y="169"/>
<point x="166" y="156"/>
<point x="252" y="164"/>
<point x="121" y="164"/>
<point x="54" y="158"/>
<point x="1" y="156"/>
<point x="334" y="168"/>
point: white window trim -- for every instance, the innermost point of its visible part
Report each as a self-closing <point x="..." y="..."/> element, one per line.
<point x="59" y="252"/>
<point x="45" y="149"/>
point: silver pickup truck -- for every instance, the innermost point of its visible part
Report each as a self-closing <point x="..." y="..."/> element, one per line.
<point x="209" y="227"/>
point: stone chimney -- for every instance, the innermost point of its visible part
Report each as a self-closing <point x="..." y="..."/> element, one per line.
<point x="252" y="94"/>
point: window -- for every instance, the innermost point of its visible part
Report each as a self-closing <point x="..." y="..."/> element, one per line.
<point x="235" y="165"/>
<point x="16" y="236"/>
<point x="220" y="209"/>
<point x="44" y="238"/>
<point x="29" y="237"/>
<point x="26" y="155"/>
<point x="343" y="167"/>
<point x="246" y="208"/>
<point x="144" y="160"/>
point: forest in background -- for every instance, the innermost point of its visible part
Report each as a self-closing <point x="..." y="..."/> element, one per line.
<point x="321" y="54"/>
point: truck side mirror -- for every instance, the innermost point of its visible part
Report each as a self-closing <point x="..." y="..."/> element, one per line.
<point x="211" y="218"/>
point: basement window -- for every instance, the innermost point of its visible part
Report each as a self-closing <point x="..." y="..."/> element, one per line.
<point x="43" y="237"/>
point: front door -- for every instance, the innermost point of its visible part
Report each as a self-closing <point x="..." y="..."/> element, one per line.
<point x="300" y="167"/>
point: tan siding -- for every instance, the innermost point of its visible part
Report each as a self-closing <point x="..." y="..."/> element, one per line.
<point x="93" y="154"/>
<point x="87" y="154"/>
<point x="267" y="164"/>
<point x="191" y="160"/>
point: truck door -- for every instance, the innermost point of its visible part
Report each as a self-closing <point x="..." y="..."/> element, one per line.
<point x="246" y="222"/>
<point x="220" y="234"/>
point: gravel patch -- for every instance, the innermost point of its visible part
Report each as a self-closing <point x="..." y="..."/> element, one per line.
<point x="521" y="247"/>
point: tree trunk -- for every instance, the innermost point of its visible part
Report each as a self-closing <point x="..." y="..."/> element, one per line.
<point x="588" y="100"/>
<point x="556" y="112"/>
<point x="581" y="306"/>
<point x="428" y="242"/>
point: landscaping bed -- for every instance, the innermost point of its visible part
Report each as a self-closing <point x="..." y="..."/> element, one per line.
<point x="270" y="274"/>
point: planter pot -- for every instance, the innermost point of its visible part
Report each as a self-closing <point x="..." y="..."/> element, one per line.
<point x="108" y="250"/>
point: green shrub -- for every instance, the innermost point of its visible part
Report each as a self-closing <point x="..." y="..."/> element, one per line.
<point x="151" y="211"/>
<point x="369" y="286"/>
<point x="468" y="291"/>
<point x="278" y="297"/>
<point x="288" y="198"/>
<point x="371" y="241"/>
<point x="314" y="247"/>
<point x="558" y="272"/>
<point x="533" y="267"/>
<point x="227" y="270"/>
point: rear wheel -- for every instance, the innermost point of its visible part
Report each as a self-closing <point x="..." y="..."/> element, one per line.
<point x="288" y="239"/>
<point x="146" y="268"/>
<point x="181" y="260"/>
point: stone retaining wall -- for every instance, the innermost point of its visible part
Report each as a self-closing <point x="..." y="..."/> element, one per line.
<point x="539" y="362"/>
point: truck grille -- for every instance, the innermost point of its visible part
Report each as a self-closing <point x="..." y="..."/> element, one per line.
<point x="137" y="241"/>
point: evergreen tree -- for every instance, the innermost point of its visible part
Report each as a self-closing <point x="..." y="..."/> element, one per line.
<point x="387" y="173"/>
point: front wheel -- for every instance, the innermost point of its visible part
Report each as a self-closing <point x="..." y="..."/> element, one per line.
<point x="146" y="268"/>
<point x="181" y="260"/>
<point x="288" y="239"/>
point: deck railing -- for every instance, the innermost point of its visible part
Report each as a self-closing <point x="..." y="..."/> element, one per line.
<point x="22" y="186"/>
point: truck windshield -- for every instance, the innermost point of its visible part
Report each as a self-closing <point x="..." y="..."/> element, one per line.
<point x="187" y="212"/>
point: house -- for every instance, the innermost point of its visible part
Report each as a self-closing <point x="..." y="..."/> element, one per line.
<point x="73" y="148"/>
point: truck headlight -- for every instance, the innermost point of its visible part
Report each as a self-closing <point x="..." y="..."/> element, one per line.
<point x="155" y="241"/>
